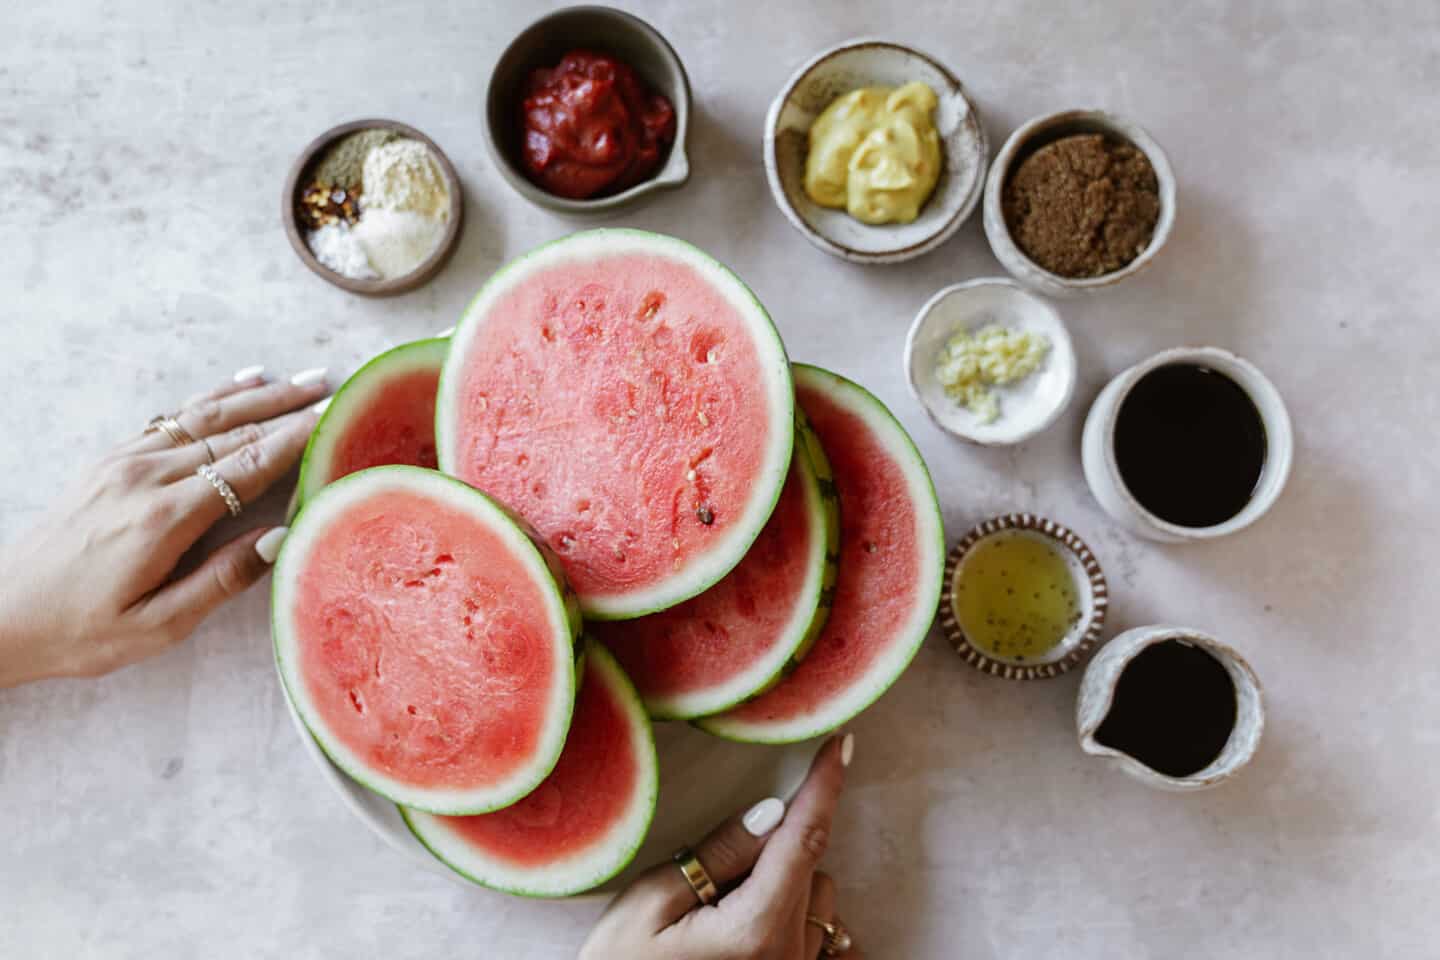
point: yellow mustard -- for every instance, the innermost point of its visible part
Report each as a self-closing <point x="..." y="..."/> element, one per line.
<point x="875" y="153"/>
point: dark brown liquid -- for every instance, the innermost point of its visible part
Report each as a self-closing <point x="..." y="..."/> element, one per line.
<point x="1174" y="709"/>
<point x="1190" y="445"/>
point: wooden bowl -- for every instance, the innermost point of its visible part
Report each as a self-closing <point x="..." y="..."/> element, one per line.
<point x="296" y="181"/>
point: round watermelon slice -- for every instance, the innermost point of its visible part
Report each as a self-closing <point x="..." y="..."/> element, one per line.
<point x="425" y="640"/>
<point x="892" y="556"/>
<point x="737" y="638"/>
<point x="384" y="414"/>
<point x="626" y="394"/>
<point x="581" y="826"/>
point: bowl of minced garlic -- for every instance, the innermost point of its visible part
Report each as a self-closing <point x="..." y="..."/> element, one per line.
<point x="874" y="152"/>
<point x="374" y="207"/>
<point x="990" y="362"/>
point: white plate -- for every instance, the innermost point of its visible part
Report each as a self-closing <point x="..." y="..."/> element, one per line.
<point x="1026" y="407"/>
<point x="703" y="780"/>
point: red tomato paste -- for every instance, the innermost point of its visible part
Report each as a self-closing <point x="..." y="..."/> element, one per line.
<point x="592" y="127"/>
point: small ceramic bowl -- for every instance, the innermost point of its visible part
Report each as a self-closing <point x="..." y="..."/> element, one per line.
<point x="542" y="44"/>
<point x="870" y="63"/>
<point x="1036" y="134"/>
<point x="1102" y="471"/>
<point x="1097" y="693"/>
<point x="298" y="179"/>
<point x="1092" y="589"/>
<point x="1026" y="407"/>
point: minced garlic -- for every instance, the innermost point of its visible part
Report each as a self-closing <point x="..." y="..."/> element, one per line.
<point x="973" y="362"/>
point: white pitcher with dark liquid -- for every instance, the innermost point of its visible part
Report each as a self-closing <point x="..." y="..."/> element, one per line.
<point x="1146" y="747"/>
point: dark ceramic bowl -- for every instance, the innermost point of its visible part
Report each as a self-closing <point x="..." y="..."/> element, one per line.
<point x="298" y="177"/>
<point x="542" y="44"/>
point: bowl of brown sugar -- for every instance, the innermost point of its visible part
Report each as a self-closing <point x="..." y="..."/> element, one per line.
<point x="1077" y="201"/>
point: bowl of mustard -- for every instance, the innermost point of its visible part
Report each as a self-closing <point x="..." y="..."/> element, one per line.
<point x="874" y="152"/>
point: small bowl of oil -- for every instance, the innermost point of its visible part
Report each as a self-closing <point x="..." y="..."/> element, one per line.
<point x="1024" y="598"/>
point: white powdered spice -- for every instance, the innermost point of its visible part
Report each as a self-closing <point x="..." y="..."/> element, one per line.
<point x="404" y="175"/>
<point x="397" y="241"/>
<point x="338" y="247"/>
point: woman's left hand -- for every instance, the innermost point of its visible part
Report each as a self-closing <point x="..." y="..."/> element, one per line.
<point x="91" y="589"/>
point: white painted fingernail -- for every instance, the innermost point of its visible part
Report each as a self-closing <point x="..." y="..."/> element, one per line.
<point x="247" y="374"/>
<point x="320" y="407"/>
<point x="445" y="333"/>
<point x="764" y="816"/>
<point x="307" y="377"/>
<point x="268" y="546"/>
<point x="847" y="749"/>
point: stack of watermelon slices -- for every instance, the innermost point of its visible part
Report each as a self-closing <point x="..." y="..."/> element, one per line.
<point x="753" y="546"/>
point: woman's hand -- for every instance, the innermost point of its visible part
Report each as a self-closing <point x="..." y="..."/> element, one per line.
<point x="766" y="869"/>
<point x="90" y="589"/>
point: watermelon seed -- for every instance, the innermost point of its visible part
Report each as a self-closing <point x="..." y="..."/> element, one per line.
<point x="870" y="546"/>
<point x="704" y="420"/>
<point x="356" y="702"/>
<point x="445" y="558"/>
<point x="547" y="334"/>
<point x="690" y="475"/>
<point x="521" y="460"/>
<point x="564" y="542"/>
<point x="705" y="514"/>
<point x="411" y="710"/>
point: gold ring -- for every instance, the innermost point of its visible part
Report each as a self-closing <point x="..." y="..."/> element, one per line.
<point x="837" y="938"/>
<point x="232" y="502"/>
<point x="169" y="426"/>
<point x="696" y="875"/>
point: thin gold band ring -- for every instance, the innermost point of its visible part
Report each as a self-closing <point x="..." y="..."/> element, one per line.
<point x="696" y="875"/>
<point x="837" y="938"/>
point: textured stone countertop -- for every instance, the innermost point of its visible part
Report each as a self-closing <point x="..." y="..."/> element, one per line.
<point x="168" y="811"/>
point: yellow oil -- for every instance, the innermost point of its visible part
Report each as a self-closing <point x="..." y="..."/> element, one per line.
<point x="1015" y="596"/>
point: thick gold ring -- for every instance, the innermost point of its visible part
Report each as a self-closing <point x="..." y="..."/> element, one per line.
<point x="169" y="426"/>
<point x="697" y="876"/>
<point x="227" y="493"/>
<point x="837" y="938"/>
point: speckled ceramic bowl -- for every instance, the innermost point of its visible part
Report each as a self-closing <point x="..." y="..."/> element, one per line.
<point x="542" y="44"/>
<point x="1036" y="134"/>
<point x="1097" y="693"/>
<point x="1026" y="407"/>
<point x="1091" y="586"/>
<point x="869" y="63"/>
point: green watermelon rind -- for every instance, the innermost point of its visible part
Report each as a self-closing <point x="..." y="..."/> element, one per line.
<point x="642" y="810"/>
<point x="350" y="399"/>
<point x="863" y="695"/>
<point x="759" y="322"/>
<point x="492" y="512"/>
<point x="810" y="610"/>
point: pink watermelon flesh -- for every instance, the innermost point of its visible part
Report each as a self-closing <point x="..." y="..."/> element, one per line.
<point x="718" y="635"/>
<point x="397" y="425"/>
<point x="424" y="647"/>
<point x="615" y="405"/>
<point x="591" y="787"/>
<point x="879" y="566"/>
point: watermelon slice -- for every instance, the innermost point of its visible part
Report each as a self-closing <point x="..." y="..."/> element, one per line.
<point x="735" y="639"/>
<point x="384" y="414"/>
<point x="425" y="640"/>
<point x="627" y="395"/>
<point x="581" y="826"/>
<point x="892" y="556"/>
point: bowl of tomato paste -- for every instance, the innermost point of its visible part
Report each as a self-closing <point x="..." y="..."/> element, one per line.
<point x="587" y="110"/>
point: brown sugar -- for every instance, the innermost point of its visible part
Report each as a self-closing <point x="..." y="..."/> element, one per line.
<point x="1082" y="206"/>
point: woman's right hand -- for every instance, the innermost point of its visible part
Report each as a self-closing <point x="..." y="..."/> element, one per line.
<point x="767" y="870"/>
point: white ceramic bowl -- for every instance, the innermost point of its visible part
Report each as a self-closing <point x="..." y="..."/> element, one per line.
<point x="703" y="780"/>
<point x="1046" y="129"/>
<point x="868" y="63"/>
<point x="1102" y="472"/>
<point x="1026" y="407"/>
<point x="1097" y="693"/>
